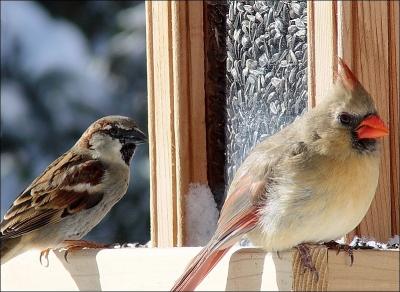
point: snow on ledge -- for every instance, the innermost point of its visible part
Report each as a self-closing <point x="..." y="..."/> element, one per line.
<point x="201" y="215"/>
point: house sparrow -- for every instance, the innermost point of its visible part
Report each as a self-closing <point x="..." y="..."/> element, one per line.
<point x="75" y="192"/>
<point x="311" y="182"/>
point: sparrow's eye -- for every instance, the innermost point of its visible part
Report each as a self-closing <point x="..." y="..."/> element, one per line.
<point x="345" y="118"/>
<point x="113" y="131"/>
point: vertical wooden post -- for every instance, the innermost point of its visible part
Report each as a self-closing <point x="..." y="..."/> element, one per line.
<point x="394" y="111"/>
<point x="366" y="35"/>
<point x="322" y="48"/>
<point x="175" y="54"/>
<point x="369" y="47"/>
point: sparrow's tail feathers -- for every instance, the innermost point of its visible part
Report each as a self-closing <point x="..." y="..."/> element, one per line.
<point x="199" y="268"/>
<point x="9" y="249"/>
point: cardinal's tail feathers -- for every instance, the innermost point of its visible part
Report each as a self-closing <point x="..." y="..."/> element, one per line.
<point x="199" y="268"/>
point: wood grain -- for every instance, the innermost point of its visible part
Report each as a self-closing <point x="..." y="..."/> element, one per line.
<point x="189" y="104"/>
<point x="372" y="271"/>
<point x="161" y="125"/>
<point x="242" y="269"/>
<point x="151" y="124"/>
<point x="322" y="48"/>
<point x="394" y="111"/>
<point x="252" y="269"/>
<point x="365" y="41"/>
<point x="304" y="279"/>
<point x="366" y="35"/>
<point x="311" y="54"/>
<point x="176" y="113"/>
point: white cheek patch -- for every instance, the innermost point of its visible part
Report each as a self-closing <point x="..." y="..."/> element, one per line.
<point x="106" y="147"/>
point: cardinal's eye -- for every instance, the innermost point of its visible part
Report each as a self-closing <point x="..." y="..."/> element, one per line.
<point x="345" y="118"/>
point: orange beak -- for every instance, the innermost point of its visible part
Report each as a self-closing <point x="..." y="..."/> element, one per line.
<point x="372" y="127"/>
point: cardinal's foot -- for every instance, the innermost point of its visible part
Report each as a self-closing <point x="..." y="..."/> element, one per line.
<point x="339" y="247"/>
<point x="74" y="245"/>
<point x="306" y="260"/>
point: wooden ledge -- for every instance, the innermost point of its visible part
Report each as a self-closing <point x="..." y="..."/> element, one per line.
<point x="155" y="269"/>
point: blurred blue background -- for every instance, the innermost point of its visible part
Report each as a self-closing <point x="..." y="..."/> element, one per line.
<point x="65" y="64"/>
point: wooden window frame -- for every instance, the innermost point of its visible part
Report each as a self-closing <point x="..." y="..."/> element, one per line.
<point x="360" y="33"/>
<point x="176" y="93"/>
<point x="177" y="133"/>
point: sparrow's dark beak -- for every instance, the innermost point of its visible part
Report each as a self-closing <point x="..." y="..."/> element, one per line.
<point x="135" y="136"/>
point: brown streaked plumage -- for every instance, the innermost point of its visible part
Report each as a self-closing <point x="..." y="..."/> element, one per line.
<point x="311" y="182"/>
<point x="75" y="192"/>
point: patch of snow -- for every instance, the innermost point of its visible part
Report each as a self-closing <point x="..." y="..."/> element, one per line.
<point x="394" y="241"/>
<point x="369" y="243"/>
<point x="245" y="242"/>
<point x="201" y="215"/>
<point x="341" y="240"/>
<point x="131" y="245"/>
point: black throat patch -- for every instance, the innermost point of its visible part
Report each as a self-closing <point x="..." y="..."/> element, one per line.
<point x="363" y="145"/>
<point x="127" y="151"/>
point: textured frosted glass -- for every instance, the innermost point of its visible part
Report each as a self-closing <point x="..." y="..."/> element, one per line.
<point x="266" y="72"/>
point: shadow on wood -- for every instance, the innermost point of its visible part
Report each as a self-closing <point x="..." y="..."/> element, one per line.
<point x="83" y="268"/>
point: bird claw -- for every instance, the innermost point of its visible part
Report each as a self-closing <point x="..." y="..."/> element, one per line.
<point x="75" y="245"/>
<point x="45" y="253"/>
<point x="341" y="247"/>
<point x="306" y="260"/>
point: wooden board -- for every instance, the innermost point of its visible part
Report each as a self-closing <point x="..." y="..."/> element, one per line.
<point x="243" y="269"/>
<point x="322" y="48"/>
<point x="369" y="49"/>
<point x="175" y="53"/>
<point x="365" y="274"/>
<point x="366" y="35"/>
<point x="394" y="111"/>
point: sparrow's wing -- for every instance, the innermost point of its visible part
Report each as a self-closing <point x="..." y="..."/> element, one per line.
<point x="61" y="190"/>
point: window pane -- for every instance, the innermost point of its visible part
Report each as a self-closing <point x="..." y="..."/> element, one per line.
<point x="266" y="72"/>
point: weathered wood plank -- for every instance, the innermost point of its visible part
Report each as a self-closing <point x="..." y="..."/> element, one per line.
<point x="372" y="271"/>
<point x="366" y="50"/>
<point x="366" y="35"/>
<point x="322" y="48"/>
<point x="176" y="113"/>
<point x="243" y="269"/>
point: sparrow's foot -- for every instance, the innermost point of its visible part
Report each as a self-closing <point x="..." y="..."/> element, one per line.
<point x="45" y="253"/>
<point x="339" y="247"/>
<point x="306" y="260"/>
<point x="74" y="245"/>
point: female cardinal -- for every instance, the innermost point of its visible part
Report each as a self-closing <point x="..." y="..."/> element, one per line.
<point x="311" y="182"/>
